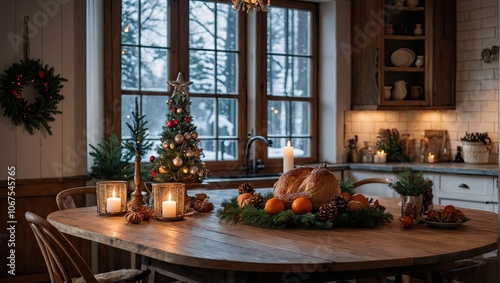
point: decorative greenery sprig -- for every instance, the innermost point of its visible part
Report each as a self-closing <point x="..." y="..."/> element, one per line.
<point x="366" y="217"/>
<point x="411" y="183"/>
<point x="475" y="137"/>
<point x="346" y="185"/>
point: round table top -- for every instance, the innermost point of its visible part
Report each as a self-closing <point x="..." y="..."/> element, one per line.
<point x="205" y="241"/>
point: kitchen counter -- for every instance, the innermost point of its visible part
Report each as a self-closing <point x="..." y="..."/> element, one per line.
<point x="444" y="167"/>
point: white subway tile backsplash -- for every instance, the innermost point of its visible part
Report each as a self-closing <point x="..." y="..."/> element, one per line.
<point x="482" y="13"/>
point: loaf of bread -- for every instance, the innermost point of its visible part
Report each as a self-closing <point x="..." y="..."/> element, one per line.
<point x="317" y="184"/>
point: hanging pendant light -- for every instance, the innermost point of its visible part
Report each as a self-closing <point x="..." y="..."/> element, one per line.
<point x="250" y="5"/>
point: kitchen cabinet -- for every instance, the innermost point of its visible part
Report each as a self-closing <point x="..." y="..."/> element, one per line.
<point x="386" y="41"/>
<point x="479" y="192"/>
<point x="468" y="191"/>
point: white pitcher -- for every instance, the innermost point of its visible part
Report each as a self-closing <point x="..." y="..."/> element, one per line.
<point x="399" y="92"/>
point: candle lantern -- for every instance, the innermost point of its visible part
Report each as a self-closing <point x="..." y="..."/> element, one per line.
<point x="169" y="200"/>
<point x="111" y="197"/>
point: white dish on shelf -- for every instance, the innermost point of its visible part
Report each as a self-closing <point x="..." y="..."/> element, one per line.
<point x="403" y="57"/>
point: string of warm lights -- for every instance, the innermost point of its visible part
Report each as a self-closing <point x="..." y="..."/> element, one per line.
<point x="250" y="5"/>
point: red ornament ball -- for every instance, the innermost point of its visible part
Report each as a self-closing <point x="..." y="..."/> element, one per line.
<point x="176" y="122"/>
<point x="187" y="119"/>
<point x="152" y="158"/>
<point x="171" y="124"/>
<point x="406" y="222"/>
<point x="153" y="173"/>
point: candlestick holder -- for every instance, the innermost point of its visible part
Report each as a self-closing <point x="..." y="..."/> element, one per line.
<point x="111" y="197"/>
<point x="169" y="200"/>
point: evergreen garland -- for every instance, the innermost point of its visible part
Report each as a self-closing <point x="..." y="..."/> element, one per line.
<point x="366" y="217"/>
<point x="39" y="113"/>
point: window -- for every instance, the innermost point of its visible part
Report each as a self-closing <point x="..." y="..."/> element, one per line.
<point x="206" y="41"/>
<point x="289" y="79"/>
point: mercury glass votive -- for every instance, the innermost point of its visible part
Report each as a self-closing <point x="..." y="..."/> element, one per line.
<point x="169" y="200"/>
<point x="111" y="197"/>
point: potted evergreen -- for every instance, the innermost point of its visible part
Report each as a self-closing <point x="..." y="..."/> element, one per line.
<point x="411" y="187"/>
<point x="476" y="147"/>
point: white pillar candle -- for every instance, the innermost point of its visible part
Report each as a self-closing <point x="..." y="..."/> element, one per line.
<point x="431" y="158"/>
<point x="113" y="204"/>
<point x="169" y="208"/>
<point x="380" y="157"/>
<point x="287" y="157"/>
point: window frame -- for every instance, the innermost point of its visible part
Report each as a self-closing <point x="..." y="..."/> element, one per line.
<point x="179" y="62"/>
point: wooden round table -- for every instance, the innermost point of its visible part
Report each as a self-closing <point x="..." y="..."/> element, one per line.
<point x="203" y="242"/>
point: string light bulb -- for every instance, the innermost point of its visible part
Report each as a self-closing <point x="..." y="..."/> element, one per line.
<point x="250" y="5"/>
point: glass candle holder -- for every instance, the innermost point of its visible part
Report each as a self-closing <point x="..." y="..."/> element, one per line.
<point x="111" y="197"/>
<point x="169" y="200"/>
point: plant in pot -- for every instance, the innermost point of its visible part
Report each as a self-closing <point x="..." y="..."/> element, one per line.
<point x="412" y="188"/>
<point x="110" y="161"/>
<point x="476" y="147"/>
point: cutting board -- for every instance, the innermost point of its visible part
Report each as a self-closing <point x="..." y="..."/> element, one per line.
<point x="438" y="141"/>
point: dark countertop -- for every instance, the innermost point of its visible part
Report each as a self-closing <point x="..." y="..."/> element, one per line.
<point x="445" y="167"/>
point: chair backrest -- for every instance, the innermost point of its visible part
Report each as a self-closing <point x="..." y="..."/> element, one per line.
<point x="371" y="181"/>
<point x="60" y="256"/>
<point x="377" y="190"/>
<point x="65" y="200"/>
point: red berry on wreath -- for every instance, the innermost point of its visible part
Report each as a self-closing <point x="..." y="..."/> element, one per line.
<point x="406" y="222"/>
<point x="41" y="74"/>
<point x="152" y="158"/>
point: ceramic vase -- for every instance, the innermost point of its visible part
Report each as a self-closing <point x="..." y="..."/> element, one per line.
<point x="419" y="63"/>
<point x="411" y="206"/>
<point x="418" y="29"/>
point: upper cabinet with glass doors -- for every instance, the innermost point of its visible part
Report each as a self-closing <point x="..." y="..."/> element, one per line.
<point x="403" y="54"/>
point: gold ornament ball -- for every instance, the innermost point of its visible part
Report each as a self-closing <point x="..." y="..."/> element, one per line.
<point x="187" y="136"/>
<point x="179" y="110"/>
<point x="179" y="138"/>
<point x="162" y="169"/>
<point x="189" y="153"/>
<point x="177" y="161"/>
<point x="197" y="153"/>
<point x="172" y="145"/>
<point x="194" y="135"/>
<point x="165" y="145"/>
<point x="185" y="170"/>
<point x="193" y="170"/>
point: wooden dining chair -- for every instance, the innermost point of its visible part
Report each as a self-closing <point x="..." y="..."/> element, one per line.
<point x="65" y="200"/>
<point x="60" y="256"/>
<point x="373" y="190"/>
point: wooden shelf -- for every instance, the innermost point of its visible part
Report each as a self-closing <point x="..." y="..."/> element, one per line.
<point x="404" y="37"/>
<point x="404" y="8"/>
<point x="404" y="69"/>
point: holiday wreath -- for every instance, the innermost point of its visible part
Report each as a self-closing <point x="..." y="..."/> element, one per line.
<point x="36" y="114"/>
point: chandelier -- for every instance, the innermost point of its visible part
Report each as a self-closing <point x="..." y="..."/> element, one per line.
<point x="250" y="5"/>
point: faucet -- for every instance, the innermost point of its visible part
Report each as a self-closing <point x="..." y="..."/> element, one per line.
<point x="255" y="166"/>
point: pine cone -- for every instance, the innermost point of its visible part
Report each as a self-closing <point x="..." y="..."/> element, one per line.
<point x="340" y="203"/>
<point x="246" y="188"/>
<point x="327" y="211"/>
<point x="257" y="201"/>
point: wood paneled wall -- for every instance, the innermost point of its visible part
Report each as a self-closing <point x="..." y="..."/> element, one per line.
<point x="57" y="36"/>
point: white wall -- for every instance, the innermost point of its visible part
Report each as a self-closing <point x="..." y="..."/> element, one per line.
<point x="57" y="36"/>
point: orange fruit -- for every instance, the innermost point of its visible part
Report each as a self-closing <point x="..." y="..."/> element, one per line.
<point x="361" y="198"/>
<point x="354" y="205"/>
<point x="301" y="205"/>
<point x="346" y="195"/>
<point x="242" y="199"/>
<point x="274" y="206"/>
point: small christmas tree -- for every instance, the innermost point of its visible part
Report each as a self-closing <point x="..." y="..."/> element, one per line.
<point x="179" y="154"/>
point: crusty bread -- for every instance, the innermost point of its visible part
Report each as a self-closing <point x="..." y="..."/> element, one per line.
<point x="317" y="184"/>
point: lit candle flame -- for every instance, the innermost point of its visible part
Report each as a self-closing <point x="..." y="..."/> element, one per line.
<point x="113" y="192"/>
<point x="169" y="197"/>
<point x="289" y="143"/>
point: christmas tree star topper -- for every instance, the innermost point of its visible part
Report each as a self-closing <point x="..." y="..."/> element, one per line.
<point x="180" y="85"/>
